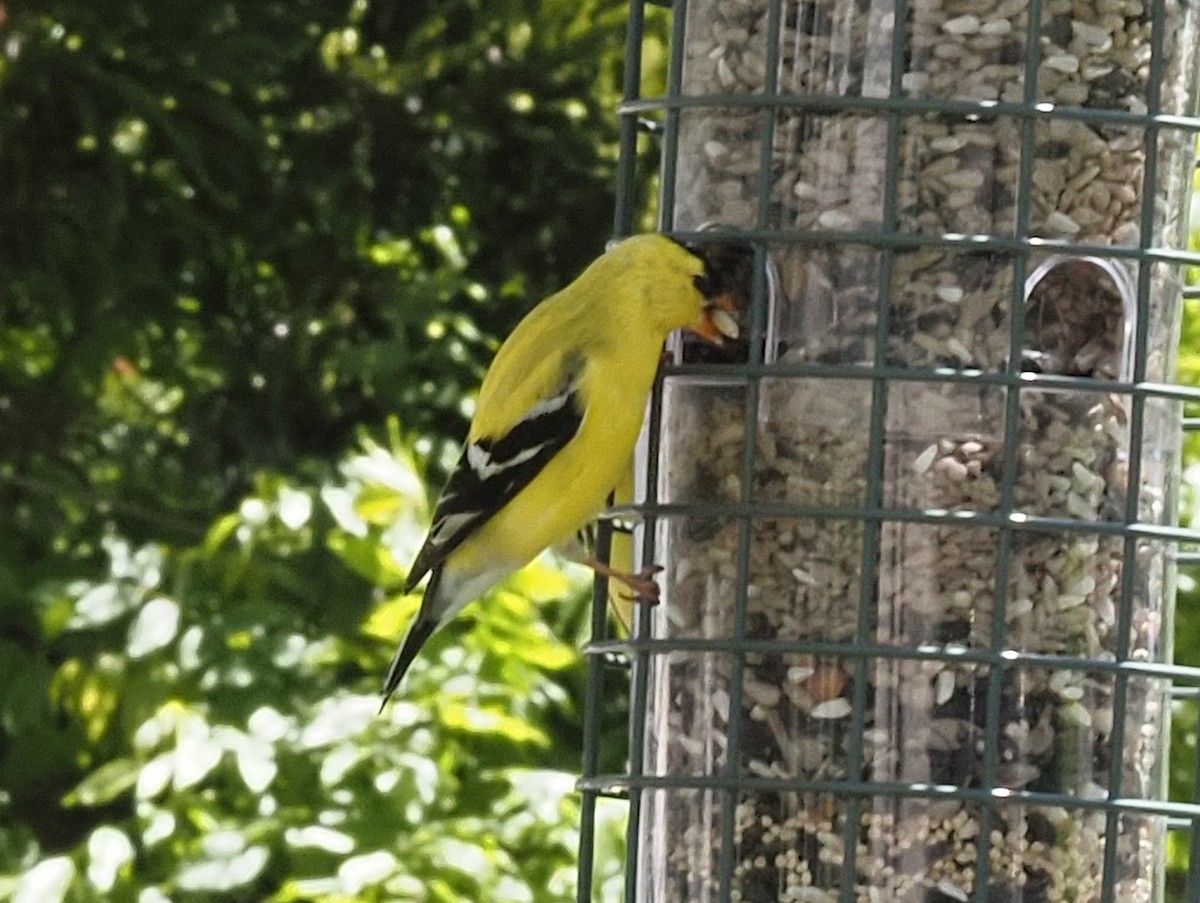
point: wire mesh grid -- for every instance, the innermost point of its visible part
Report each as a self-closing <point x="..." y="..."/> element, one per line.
<point x="1123" y="810"/>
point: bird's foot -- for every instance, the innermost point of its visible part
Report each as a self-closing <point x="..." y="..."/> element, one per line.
<point x="645" y="588"/>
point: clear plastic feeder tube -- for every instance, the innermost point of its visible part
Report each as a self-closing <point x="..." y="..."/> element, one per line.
<point x="949" y="557"/>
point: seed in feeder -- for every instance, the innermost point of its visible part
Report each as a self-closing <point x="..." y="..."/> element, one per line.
<point x="952" y="890"/>
<point x="1095" y="35"/>
<point x="948" y="144"/>
<point x="964" y="178"/>
<point x="925" y="459"/>
<point x="800" y="673"/>
<point x="959" y="350"/>
<point x="725" y="74"/>
<point x="720" y="703"/>
<point x="951" y="467"/>
<point x="831" y="709"/>
<point x="1061" y="223"/>
<point x="762" y="693"/>
<point x="996" y="27"/>
<point x="835" y="218"/>
<point x="715" y="151"/>
<point x="1020" y="607"/>
<point x="803" y="576"/>
<point x="826" y="683"/>
<point x="1062" y="62"/>
<point x="1078" y="506"/>
<point x="760" y="769"/>
<point x="962" y="25"/>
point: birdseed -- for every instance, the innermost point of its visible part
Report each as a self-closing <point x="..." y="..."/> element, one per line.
<point x="939" y="594"/>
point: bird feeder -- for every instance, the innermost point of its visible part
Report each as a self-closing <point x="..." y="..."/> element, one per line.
<point x="915" y="632"/>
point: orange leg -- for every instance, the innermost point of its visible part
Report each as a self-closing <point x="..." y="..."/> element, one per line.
<point x="645" y="589"/>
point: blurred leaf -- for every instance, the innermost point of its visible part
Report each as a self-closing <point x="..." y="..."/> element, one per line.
<point x="156" y="625"/>
<point x="492" y="720"/>
<point x="220" y="532"/>
<point x="379" y="504"/>
<point x="46" y="882"/>
<point x="111" y="780"/>
<point x="369" y="560"/>
<point x="110" y="852"/>
<point x="389" y="620"/>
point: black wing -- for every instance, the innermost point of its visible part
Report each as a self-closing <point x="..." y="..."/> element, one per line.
<point x="491" y="472"/>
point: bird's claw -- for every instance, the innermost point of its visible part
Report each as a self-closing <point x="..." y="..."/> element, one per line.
<point x="645" y="589"/>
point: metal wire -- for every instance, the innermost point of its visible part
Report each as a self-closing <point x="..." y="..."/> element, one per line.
<point x="623" y="221"/>
<point x="968" y="109"/>
<point x="1008" y="480"/>
<point x="766" y="127"/>
<point x="843" y="788"/>
<point x="593" y="696"/>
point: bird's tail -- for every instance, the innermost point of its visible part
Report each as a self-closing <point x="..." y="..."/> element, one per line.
<point x="423" y="627"/>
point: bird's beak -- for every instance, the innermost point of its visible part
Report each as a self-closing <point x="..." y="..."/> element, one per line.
<point x="719" y="321"/>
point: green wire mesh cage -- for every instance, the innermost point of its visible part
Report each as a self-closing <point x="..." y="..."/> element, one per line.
<point x="920" y="538"/>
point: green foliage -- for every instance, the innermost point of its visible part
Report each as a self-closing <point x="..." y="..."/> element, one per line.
<point x="237" y="237"/>
<point x="237" y="230"/>
<point x="233" y="746"/>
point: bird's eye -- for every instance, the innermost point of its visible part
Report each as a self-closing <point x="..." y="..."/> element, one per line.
<point x="703" y="284"/>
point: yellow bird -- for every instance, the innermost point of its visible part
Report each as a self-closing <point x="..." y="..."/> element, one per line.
<point x="556" y="421"/>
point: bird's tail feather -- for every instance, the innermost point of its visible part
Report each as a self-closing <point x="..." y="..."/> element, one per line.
<point x="423" y="627"/>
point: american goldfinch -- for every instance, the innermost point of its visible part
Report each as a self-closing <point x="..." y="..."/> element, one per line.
<point x="556" y="421"/>
<point x="729" y="271"/>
